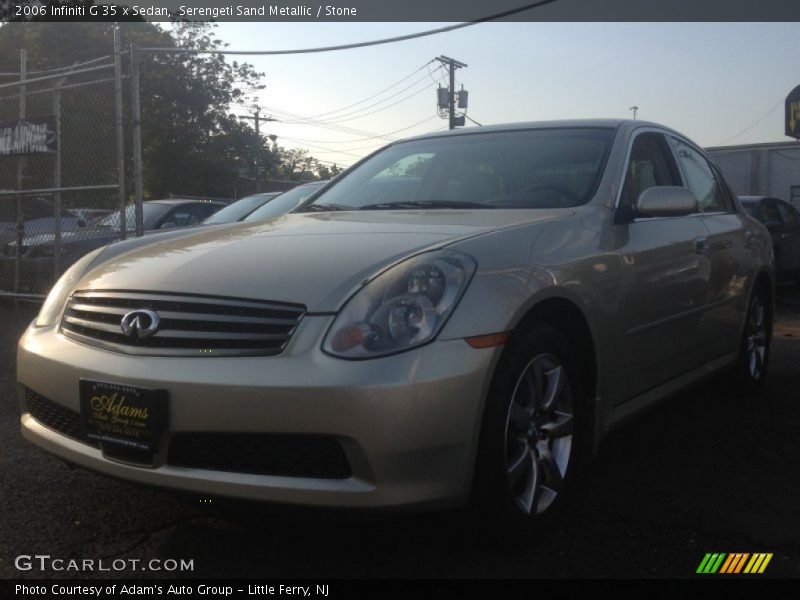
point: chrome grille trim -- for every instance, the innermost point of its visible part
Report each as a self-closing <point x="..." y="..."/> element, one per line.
<point x="190" y="325"/>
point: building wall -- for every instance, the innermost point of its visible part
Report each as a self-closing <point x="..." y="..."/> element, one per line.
<point x="761" y="171"/>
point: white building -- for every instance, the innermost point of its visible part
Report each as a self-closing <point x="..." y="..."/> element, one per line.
<point x="771" y="169"/>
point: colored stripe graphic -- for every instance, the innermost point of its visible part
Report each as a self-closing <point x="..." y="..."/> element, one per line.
<point x="758" y="563"/>
<point x="711" y="562"/>
<point x="734" y="563"/>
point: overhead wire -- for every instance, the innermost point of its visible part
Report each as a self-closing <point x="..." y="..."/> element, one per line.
<point x="389" y="40"/>
<point x="743" y="131"/>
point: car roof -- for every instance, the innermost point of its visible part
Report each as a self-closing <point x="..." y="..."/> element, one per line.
<point x="564" y="123"/>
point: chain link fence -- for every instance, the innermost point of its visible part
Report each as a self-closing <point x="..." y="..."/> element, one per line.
<point x="60" y="170"/>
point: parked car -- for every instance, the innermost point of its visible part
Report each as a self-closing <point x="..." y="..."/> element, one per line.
<point x="38" y="218"/>
<point x="89" y="215"/>
<point x="783" y="222"/>
<point x="38" y="249"/>
<point x="238" y="210"/>
<point x="463" y="314"/>
<point x="287" y="201"/>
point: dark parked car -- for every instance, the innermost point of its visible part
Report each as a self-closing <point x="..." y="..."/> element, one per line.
<point x="783" y="222"/>
<point x="240" y="209"/>
<point x="286" y="202"/>
<point x="38" y="250"/>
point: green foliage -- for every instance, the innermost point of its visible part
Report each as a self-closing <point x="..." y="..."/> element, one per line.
<point x="191" y="144"/>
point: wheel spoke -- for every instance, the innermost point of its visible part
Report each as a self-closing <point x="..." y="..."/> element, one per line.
<point x="527" y="499"/>
<point x="552" y="474"/>
<point x="555" y="383"/>
<point x="519" y="465"/>
<point x="562" y="426"/>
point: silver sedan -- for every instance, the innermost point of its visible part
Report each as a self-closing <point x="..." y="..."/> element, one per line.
<point x="461" y="315"/>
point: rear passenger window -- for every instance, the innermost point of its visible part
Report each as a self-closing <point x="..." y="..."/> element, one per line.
<point x="700" y="178"/>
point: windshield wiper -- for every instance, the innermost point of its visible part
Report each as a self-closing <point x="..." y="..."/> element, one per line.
<point x="425" y="204"/>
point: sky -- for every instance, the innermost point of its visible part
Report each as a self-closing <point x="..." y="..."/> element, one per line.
<point x="718" y="83"/>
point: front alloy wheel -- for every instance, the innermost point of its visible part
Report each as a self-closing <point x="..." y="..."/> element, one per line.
<point x="539" y="434"/>
<point x="531" y="431"/>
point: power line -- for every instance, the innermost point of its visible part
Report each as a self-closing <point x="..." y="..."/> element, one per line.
<point x="342" y="118"/>
<point x="357" y="148"/>
<point x="769" y="112"/>
<point x="334" y="127"/>
<point x="376" y="94"/>
<point x="388" y="106"/>
<point x="366" y="138"/>
<point x="348" y="150"/>
<point x="399" y="38"/>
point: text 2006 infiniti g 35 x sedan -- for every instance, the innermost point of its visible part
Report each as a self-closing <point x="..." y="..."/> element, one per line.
<point x="461" y="315"/>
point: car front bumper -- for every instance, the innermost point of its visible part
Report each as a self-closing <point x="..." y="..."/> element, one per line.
<point x="408" y="424"/>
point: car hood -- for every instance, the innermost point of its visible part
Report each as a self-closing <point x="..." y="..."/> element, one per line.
<point x="315" y="259"/>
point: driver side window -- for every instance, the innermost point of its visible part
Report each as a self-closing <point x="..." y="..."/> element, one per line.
<point x="650" y="164"/>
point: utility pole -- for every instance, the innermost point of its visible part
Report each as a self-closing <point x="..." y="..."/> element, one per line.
<point x="635" y="109"/>
<point x="257" y="118"/>
<point x="452" y="64"/>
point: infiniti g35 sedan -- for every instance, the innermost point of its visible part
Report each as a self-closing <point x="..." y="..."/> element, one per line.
<point x="460" y="317"/>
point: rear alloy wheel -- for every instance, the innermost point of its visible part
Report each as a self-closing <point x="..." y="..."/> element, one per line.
<point x="539" y="434"/>
<point x="754" y="352"/>
<point x="529" y="435"/>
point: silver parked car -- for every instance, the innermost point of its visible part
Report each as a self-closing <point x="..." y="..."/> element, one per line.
<point x="463" y="314"/>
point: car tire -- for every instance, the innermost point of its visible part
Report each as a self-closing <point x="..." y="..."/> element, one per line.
<point x="754" y="349"/>
<point x="529" y="434"/>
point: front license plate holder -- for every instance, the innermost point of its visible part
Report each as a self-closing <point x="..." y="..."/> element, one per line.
<point x="123" y="416"/>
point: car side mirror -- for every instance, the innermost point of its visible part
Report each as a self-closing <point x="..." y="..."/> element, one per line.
<point x="666" y="201"/>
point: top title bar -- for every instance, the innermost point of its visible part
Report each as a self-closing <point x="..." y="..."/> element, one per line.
<point x="406" y="10"/>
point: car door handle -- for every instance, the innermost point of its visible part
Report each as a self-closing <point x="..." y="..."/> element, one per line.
<point x="701" y="245"/>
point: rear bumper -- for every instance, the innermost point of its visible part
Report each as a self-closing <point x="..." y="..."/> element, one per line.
<point x="408" y="424"/>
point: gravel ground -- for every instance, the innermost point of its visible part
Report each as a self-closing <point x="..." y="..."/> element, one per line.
<point x="703" y="473"/>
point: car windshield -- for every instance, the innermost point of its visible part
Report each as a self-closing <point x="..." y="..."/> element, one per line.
<point x="535" y="168"/>
<point x="285" y="202"/>
<point x="151" y="212"/>
<point x="239" y="209"/>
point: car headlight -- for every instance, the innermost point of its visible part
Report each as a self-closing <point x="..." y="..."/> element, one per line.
<point x="57" y="298"/>
<point x="404" y="307"/>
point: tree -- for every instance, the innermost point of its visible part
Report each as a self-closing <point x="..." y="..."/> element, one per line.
<point x="191" y="144"/>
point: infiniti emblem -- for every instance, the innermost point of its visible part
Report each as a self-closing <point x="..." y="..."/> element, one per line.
<point x="140" y="324"/>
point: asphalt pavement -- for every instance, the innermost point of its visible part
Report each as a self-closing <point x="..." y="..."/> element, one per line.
<point x="706" y="472"/>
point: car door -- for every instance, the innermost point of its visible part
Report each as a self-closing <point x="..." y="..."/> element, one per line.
<point x="666" y="275"/>
<point x="789" y="236"/>
<point x="727" y="247"/>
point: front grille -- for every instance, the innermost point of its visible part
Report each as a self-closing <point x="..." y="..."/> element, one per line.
<point x="190" y="325"/>
<point x="288" y="455"/>
<point x="56" y="417"/>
